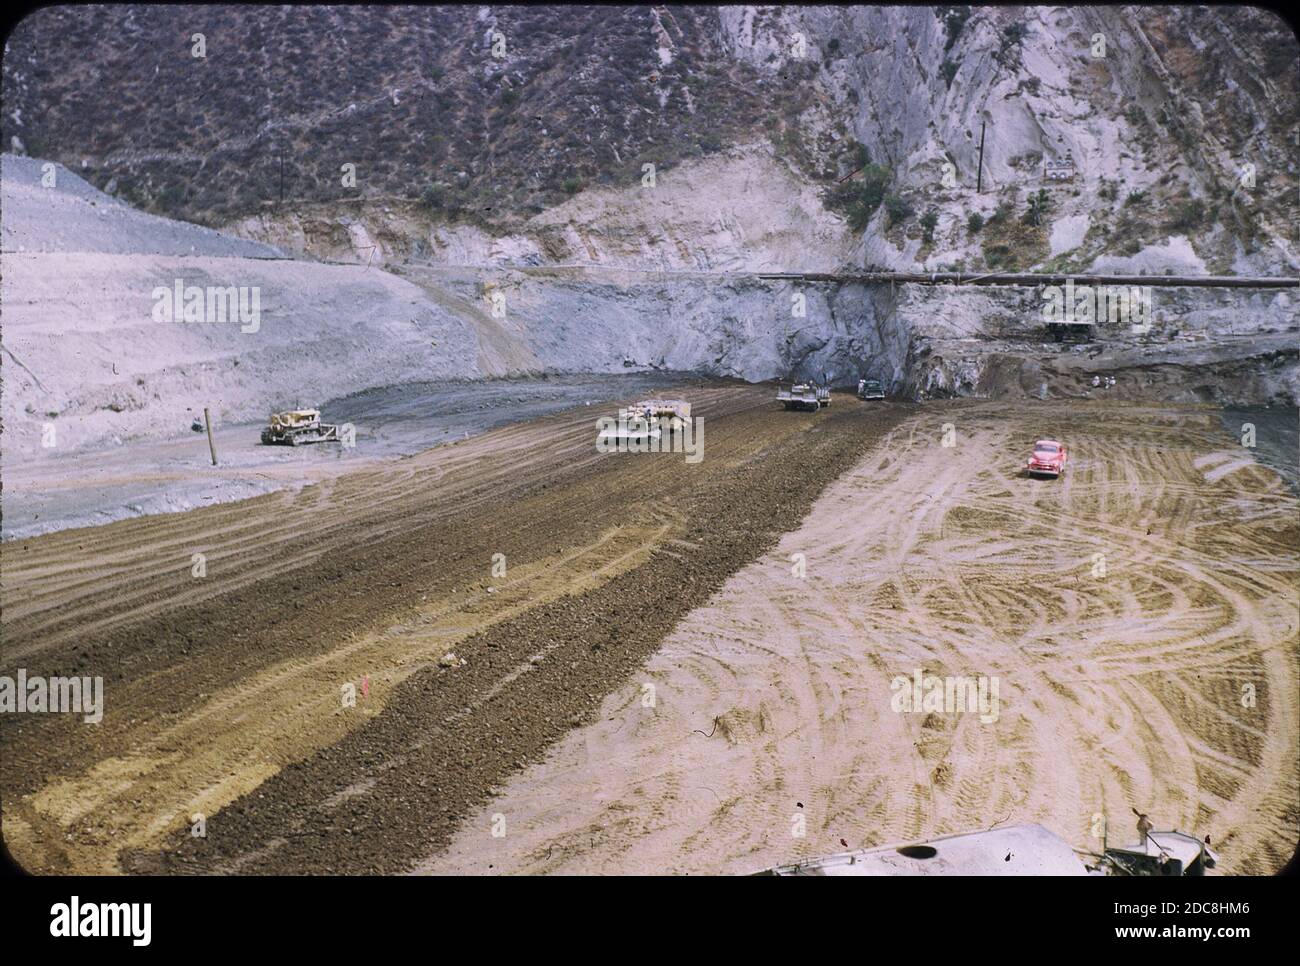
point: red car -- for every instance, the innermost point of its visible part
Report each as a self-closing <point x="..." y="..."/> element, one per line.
<point x="1048" y="459"/>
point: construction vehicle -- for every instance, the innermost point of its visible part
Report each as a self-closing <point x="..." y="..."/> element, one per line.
<point x="644" y="422"/>
<point x="298" y="426"/>
<point x="804" y="395"/>
<point x="870" y="389"/>
<point x="1158" y="854"/>
<point x="1016" y="850"/>
<point x="676" y="411"/>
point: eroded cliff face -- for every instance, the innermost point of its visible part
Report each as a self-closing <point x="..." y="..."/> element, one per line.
<point x="742" y="210"/>
<point x="1180" y="123"/>
<point x="610" y="320"/>
<point x="1177" y="122"/>
<point x="1223" y="346"/>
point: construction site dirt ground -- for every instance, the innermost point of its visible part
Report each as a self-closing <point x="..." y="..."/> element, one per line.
<point x="683" y="664"/>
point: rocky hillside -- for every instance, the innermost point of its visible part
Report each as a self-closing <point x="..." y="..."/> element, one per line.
<point x="1180" y="123"/>
<point x="477" y="113"/>
<point x="501" y="152"/>
<point x="469" y="125"/>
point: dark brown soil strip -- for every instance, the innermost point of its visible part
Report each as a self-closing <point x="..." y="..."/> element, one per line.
<point x="403" y="783"/>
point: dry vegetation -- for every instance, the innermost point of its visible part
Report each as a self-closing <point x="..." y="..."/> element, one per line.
<point x="412" y="96"/>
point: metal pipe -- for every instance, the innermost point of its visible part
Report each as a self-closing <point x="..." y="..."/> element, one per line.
<point x="1041" y="278"/>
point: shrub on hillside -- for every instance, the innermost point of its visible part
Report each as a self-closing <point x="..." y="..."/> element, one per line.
<point x="954" y="19"/>
<point x="1038" y="206"/>
<point x="898" y="209"/>
<point x="928" y="222"/>
<point x="861" y="196"/>
<point x="1187" y="215"/>
<point x="433" y="196"/>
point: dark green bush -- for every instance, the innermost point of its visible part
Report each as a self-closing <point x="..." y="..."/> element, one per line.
<point x="1188" y="215"/>
<point x="433" y="196"/>
<point x="954" y="19"/>
<point x="898" y="208"/>
<point x="1037" y="208"/>
<point x="928" y="222"/>
<point x="860" y="197"/>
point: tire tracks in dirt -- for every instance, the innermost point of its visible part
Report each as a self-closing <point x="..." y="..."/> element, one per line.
<point x="1122" y="675"/>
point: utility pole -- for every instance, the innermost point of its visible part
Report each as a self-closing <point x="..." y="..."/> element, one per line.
<point x="212" y="447"/>
<point x="282" y="171"/>
<point x="979" y="179"/>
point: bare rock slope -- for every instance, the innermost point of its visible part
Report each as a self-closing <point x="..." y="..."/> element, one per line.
<point x="87" y="359"/>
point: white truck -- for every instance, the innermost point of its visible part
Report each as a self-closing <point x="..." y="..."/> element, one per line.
<point x="804" y="395"/>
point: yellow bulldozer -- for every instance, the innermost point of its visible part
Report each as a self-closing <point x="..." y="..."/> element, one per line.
<point x="298" y="426"/>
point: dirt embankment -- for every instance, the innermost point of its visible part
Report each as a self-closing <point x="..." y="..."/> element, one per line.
<point x="98" y="349"/>
<point x="223" y="692"/>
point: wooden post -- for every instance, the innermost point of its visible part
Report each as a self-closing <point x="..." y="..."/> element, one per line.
<point x="212" y="446"/>
<point x="979" y="179"/>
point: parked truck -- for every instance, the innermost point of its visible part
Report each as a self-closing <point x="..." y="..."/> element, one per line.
<point x="870" y="389"/>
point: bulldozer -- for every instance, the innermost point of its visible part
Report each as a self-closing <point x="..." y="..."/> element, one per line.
<point x="297" y="426"/>
<point x="644" y="422"/>
<point x="677" y="411"/>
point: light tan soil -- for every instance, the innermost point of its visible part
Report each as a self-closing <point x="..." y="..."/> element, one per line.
<point x="1117" y="690"/>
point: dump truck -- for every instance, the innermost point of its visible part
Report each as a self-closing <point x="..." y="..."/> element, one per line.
<point x="298" y="426"/>
<point x="804" y="395"/>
